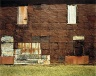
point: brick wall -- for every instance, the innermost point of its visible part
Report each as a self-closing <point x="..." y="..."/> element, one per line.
<point x="49" y="23"/>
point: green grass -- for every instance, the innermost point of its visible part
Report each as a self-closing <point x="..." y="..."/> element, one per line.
<point x="47" y="70"/>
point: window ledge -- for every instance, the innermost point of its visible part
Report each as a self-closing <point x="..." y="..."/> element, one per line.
<point x="71" y="23"/>
<point x="22" y="26"/>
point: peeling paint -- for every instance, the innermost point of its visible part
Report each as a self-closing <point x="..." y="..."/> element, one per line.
<point x="33" y="48"/>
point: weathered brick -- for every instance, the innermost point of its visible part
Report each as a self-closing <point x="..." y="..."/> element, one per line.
<point x="45" y="33"/>
<point x="44" y="26"/>
<point x="36" y="26"/>
<point x="47" y="24"/>
<point x="57" y="26"/>
<point x="54" y="45"/>
<point x="11" y="12"/>
<point x="45" y="52"/>
<point x="36" y="32"/>
<point x="45" y="45"/>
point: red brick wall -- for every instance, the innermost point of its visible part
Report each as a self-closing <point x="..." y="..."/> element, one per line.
<point x="51" y="21"/>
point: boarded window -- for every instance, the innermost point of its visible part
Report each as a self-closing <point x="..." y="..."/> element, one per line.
<point x="22" y="15"/>
<point x="32" y="48"/>
<point x="36" y="39"/>
<point x="7" y="46"/>
<point x="45" y="38"/>
<point x="71" y="14"/>
<point x="40" y="39"/>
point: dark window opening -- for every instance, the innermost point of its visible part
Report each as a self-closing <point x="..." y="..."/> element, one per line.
<point x="78" y="46"/>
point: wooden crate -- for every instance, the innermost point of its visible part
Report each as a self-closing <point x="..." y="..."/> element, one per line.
<point x="77" y="59"/>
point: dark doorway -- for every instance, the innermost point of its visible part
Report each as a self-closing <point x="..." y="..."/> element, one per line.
<point x="78" y="46"/>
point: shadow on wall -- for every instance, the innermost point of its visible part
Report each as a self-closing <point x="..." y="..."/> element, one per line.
<point x="25" y="2"/>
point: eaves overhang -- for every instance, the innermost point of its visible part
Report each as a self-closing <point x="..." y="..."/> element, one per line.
<point x="26" y="2"/>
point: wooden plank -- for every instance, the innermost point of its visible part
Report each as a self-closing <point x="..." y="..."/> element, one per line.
<point x="22" y="15"/>
<point x="8" y="60"/>
<point x="76" y="59"/>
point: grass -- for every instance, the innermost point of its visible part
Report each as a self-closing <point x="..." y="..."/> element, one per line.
<point x="47" y="70"/>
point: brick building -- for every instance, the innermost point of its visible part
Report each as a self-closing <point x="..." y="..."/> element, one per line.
<point x="49" y="31"/>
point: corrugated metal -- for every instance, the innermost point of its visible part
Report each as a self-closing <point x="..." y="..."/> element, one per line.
<point x="33" y="48"/>
<point x="29" y="53"/>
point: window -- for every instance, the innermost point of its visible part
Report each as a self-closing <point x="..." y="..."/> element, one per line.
<point x="71" y="14"/>
<point x="22" y="15"/>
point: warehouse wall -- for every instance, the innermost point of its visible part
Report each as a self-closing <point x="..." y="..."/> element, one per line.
<point x="47" y="24"/>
